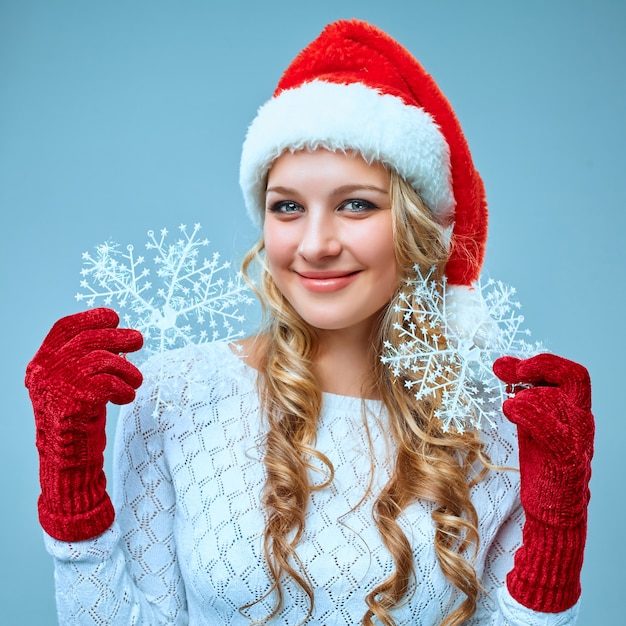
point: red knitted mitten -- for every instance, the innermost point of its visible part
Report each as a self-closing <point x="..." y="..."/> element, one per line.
<point x="552" y="410"/>
<point x="77" y="370"/>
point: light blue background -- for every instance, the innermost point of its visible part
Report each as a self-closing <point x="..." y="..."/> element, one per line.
<point x="117" y="117"/>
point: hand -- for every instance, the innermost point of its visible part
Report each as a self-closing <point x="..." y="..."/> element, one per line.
<point x="551" y="406"/>
<point x="76" y="371"/>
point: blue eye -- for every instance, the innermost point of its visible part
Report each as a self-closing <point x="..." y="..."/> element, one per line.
<point x="357" y="206"/>
<point x="285" y="207"/>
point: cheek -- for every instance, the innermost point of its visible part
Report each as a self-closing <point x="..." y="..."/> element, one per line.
<point x="378" y="249"/>
<point x="278" y="244"/>
<point x="388" y="268"/>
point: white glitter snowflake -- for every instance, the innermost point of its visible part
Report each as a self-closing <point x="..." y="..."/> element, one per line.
<point x="172" y="294"/>
<point x="436" y="353"/>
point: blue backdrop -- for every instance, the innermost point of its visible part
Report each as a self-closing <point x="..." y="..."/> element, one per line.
<point x="117" y="117"/>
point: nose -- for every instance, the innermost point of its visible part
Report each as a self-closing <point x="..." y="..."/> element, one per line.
<point x="320" y="237"/>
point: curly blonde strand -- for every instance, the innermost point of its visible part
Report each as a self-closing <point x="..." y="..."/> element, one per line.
<point x="430" y="465"/>
<point x="292" y="401"/>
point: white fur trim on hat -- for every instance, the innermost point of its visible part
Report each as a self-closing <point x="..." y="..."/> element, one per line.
<point x="342" y="117"/>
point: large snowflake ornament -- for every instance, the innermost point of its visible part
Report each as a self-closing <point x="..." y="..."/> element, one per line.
<point x="436" y="353"/>
<point x="173" y="293"/>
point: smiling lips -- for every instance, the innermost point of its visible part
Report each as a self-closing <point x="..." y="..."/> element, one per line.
<point x="326" y="282"/>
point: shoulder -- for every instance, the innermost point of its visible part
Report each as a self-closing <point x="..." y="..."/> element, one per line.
<point x="486" y="395"/>
<point x="188" y="394"/>
<point x="196" y="358"/>
<point x="500" y="440"/>
<point x="207" y="371"/>
<point x="496" y="497"/>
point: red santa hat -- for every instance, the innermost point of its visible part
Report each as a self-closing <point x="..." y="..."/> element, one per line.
<point x="356" y="88"/>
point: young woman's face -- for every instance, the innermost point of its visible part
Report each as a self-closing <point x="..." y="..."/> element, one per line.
<point x="328" y="237"/>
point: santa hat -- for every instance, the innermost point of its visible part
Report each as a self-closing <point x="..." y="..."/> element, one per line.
<point x="356" y="88"/>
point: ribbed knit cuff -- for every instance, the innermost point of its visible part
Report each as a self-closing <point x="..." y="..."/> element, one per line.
<point x="546" y="572"/>
<point x="79" y="526"/>
<point x="74" y="504"/>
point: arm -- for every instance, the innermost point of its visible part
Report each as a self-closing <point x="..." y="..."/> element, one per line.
<point x="102" y="568"/>
<point x="555" y="427"/>
<point x="130" y="574"/>
<point x="76" y="371"/>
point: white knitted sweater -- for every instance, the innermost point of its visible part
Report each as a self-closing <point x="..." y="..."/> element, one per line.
<point x="186" y="545"/>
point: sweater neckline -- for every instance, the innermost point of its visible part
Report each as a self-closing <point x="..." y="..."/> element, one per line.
<point x="333" y="400"/>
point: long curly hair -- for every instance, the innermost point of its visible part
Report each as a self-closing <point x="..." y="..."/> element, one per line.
<point x="430" y="465"/>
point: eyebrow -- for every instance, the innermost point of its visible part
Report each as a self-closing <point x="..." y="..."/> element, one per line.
<point x="337" y="191"/>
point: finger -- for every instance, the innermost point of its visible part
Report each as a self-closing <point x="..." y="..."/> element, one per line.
<point x="540" y="413"/>
<point x="505" y="368"/>
<point x="103" y="362"/>
<point x="109" y="388"/>
<point x="115" y="340"/>
<point x="68" y="327"/>
<point x="553" y="370"/>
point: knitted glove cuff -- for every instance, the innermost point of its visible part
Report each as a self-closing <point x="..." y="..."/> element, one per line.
<point x="546" y="573"/>
<point x="77" y="526"/>
<point x="74" y="504"/>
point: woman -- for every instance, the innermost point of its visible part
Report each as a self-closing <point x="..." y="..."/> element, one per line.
<point x="291" y="477"/>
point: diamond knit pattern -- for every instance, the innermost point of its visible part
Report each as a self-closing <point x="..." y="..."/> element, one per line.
<point x="186" y="545"/>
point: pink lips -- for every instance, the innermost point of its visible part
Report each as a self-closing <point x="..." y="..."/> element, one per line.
<point x="326" y="282"/>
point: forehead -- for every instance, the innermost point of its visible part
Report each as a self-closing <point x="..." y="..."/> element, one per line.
<point x="325" y="166"/>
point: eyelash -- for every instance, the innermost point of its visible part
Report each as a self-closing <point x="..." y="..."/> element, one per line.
<point x="280" y="206"/>
<point x="366" y="205"/>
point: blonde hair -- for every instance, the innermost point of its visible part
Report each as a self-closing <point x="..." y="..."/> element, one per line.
<point x="430" y="465"/>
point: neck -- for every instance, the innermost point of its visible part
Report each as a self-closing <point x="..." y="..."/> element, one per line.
<point x="343" y="363"/>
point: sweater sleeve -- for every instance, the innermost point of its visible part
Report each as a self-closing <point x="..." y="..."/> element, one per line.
<point x="130" y="573"/>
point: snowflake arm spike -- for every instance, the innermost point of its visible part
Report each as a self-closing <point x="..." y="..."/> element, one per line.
<point x="429" y="355"/>
<point x="175" y="295"/>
